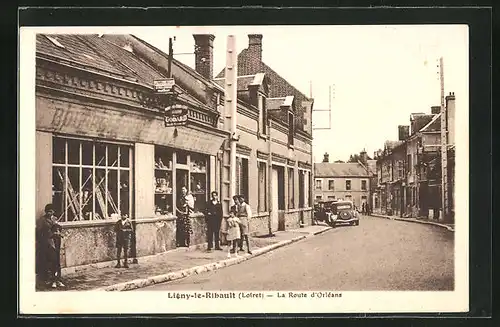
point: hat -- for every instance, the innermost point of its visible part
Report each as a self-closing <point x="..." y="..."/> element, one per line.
<point x="49" y="207"/>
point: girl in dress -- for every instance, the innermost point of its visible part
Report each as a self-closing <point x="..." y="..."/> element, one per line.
<point x="233" y="232"/>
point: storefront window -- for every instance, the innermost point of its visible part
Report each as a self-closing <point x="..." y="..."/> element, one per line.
<point x="90" y="180"/>
<point x="163" y="181"/>
<point x="198" y="180"/>
<point x="190" y="171"/>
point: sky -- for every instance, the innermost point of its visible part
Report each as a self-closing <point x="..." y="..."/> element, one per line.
<point x="379" y="74"/>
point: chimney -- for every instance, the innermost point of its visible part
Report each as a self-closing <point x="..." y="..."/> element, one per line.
<point x="326" y="157"/>
<point x="450" y="117"/>
<point x="255" y="46"/>
<point x="435" y="110"/>
<point x="204" y="54"/>
<point x="403" y="132"/>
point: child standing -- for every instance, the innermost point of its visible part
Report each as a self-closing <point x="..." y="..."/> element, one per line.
<point x="123" y="229"/>
<point x="233" y="232"/>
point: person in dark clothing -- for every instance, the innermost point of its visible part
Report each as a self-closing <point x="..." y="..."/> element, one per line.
<point x="214" y="219"/>
<point x="363" y="208"/>
<point x="49" y="247"/>
<point x="123" y="229"/>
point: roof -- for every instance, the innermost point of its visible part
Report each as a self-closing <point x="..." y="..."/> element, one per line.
<point x="92" y="51"/>
<point x="419" y="121"/>
<point x="243" y="81"/>
<point x="280" y="87"/>
<point x="433" y="125"/>
<point x="348" y="169"/>
<point x="392" y="144"/>
<point x="111" y="54"/>
<point x="372" y="166"/>
<point x="274" y="103"/>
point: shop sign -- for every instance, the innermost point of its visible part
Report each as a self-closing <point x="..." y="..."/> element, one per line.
<point x="176" y="115"/>
<point x="164" y="85"/>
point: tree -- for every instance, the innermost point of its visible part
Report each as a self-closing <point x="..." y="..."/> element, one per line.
<point x="354" y="158"/>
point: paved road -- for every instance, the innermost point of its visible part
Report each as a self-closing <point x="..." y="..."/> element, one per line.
<point x="379" y="254"/>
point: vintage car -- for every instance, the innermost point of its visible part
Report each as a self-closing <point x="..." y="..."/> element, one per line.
<point x="336" y="212"/>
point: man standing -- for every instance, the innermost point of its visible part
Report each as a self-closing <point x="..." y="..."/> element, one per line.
<point x="123" y="229"/>
<point x="244" y="214"/>
<point x="49" y="245"/>
<point x="214" y="219"/>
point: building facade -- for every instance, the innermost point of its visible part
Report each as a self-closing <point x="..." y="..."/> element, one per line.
<point x="341" y="181"/>
<point x="409" y="170"/>
<point x="105" y="148"/>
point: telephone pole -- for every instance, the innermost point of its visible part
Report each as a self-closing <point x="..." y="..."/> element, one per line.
<point x="444" y="147"/>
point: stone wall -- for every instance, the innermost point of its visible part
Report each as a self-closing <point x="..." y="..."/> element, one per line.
<point x="96" y="242"/>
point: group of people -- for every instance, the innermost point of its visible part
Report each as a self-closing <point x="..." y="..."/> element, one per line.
<point x="235" y="226"/>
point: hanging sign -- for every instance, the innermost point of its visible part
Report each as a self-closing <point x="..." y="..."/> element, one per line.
<point x="176" y="115"/>
<point x="164" y="85"/>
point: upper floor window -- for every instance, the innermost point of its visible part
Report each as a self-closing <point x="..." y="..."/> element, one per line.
<point x="291" y="128"/>
<point x="363" y="185"/>
<point x="331" y="185"/>
<point x="348" y="185"/>
<point x="319" y="184"/>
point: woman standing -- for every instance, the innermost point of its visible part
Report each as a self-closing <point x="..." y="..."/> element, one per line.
<point x="184" y="209"/>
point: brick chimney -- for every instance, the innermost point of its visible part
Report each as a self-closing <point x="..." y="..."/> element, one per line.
<point x="326" y="157"/>
<point x="435" y="110"/>
<point x="255" y="46"/>
<point x="204" y="54"/>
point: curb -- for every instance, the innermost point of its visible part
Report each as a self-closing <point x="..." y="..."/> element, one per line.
<point x="451" y="229"/>
<point x="144" y="282"/>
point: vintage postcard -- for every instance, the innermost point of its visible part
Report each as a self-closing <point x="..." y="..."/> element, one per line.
<point x="244" y="169"/>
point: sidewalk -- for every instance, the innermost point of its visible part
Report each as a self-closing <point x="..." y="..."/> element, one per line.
<point x="420" y="220"/>
<point x="175" y="264"/>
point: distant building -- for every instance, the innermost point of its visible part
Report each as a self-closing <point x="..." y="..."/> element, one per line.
<point x="347" y="181"/>
<point x="409" y="170"/>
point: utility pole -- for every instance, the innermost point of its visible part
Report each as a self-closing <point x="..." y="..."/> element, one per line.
<point x="444" y="147"/>
<point x="331" y="88"/>
<point x="230" y="96"/>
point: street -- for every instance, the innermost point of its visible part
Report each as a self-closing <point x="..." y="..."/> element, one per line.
<point x="379" y="254"/>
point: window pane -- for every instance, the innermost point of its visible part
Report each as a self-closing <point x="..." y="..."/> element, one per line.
<point x="262" y="187"/>
<point x="198" y="163"/>
<point x="58" y="175"/>
<point x="58" y="150"/>
<point x="73" y="188"/>
<point x="87" y="153"/>
<point x="73" y="152"/>
<point x="163" y="157"/>
<point x="112" y="192"/>
<point x="182" y="157"/>
<point x="124" y="156"/>
<point x="112" y="155"/>
<point x="87" y="194"/>
<point x="100" y="154"/>
<point x="100" y="194"/>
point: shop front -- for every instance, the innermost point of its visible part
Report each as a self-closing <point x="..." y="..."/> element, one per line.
<point x="96" y="162"/>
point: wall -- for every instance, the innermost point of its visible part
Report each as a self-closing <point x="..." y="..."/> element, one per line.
<point x="43" y="163"/>
<point x="340" y="189"/>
